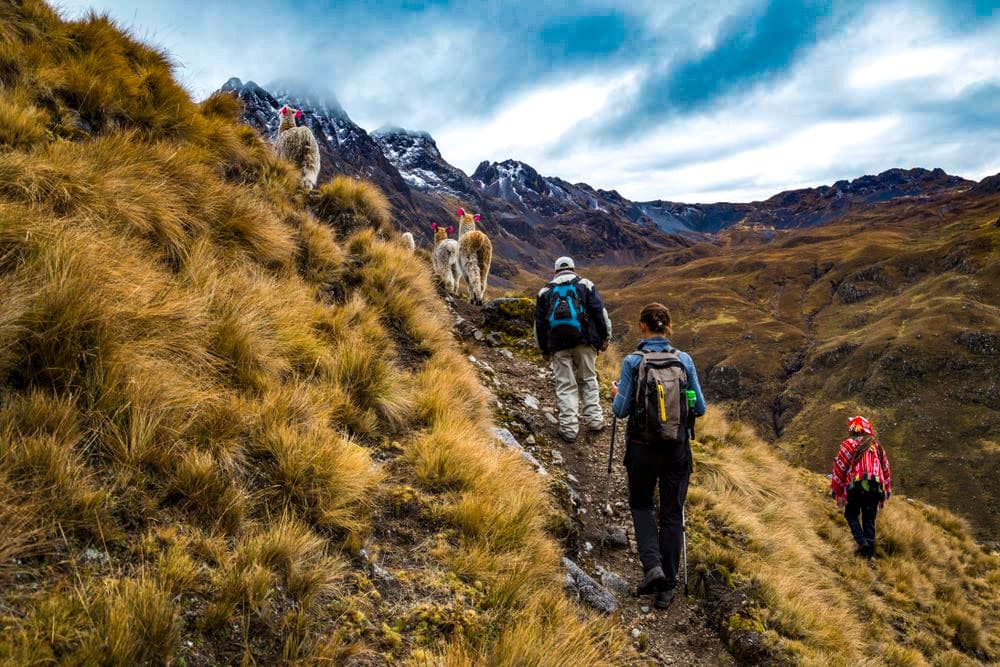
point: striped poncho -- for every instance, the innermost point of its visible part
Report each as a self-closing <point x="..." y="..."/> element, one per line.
<point x="861" y="460"/>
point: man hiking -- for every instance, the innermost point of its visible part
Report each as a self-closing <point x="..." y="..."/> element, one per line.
<point x="571" y="326"/>
<point x="862" y="481"/>
<point x="659" y="393"/>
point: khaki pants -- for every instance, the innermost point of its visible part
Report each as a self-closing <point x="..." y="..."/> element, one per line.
<point x="576" y="382"/>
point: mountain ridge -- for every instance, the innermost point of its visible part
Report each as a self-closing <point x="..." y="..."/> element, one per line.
<point x="535" y="216"/>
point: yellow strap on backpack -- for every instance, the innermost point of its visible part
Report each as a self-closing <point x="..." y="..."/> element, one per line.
<point x="663" y="404"/>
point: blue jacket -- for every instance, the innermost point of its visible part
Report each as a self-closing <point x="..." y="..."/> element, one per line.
<point x="597" y="322"/>
<point x="622" y="406"/>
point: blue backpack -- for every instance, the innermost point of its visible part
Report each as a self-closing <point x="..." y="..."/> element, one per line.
<point x="566" y="315"/>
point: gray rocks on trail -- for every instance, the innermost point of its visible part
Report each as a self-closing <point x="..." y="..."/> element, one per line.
<point x="531" y="402"/>
<point x="616" y="537"/>
<point x="587" y="590"/>
<point x="506" y="438"/>
<point x="614" y="583"/>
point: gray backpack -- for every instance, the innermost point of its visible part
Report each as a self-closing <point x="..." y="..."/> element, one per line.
<point x="661" y="406"/>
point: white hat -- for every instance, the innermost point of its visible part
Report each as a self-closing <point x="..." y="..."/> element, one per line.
<point x="564" y="263"/>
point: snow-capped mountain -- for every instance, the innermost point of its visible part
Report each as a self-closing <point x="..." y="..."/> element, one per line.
<point x="416" y="156"/>
<point x="532" y="217"/>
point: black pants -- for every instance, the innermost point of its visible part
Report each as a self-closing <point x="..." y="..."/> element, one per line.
<point x="659" y="542"/>
<point x="860" y="512"/>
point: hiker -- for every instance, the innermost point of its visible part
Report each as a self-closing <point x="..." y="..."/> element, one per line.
<point x="571" y="327"/>
<point x="659" y="393"/>
<point x="861" y="481"/>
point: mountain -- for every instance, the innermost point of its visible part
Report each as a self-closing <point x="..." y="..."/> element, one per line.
<point x="532" y="217"/>
<point x="806" y="207"/>
<point x="889" y="311"/>
<point x="424" y="189"/>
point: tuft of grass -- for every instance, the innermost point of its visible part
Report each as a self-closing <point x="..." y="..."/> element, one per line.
<point x="349" y="205"/>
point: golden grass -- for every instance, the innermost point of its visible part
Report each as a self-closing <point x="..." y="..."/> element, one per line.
<point x="767" y="526"/>
<point x="349" y="205"/>
<point x="197" y="375"/>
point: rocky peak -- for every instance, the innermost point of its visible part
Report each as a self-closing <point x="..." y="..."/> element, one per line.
<point x="416" y="156"/>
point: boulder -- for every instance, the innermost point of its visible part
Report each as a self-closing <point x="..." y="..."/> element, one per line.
<point x="616" y="537"/>
<point x="587" y="590"/>
<point x="514" y="316"/>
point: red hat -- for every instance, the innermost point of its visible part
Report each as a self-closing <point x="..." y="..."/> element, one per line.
<point x="860" y="425"/>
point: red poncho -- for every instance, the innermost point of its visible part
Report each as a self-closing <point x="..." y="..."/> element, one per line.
<point x="850" y="468"/>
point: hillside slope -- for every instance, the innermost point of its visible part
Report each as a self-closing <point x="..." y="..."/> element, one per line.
<point x="772" y="564"/>
<point x="892" y="313"/>
<point x="226" y="434"/>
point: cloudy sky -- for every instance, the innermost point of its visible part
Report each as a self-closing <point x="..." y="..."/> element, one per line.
<point x="731" y="100"/>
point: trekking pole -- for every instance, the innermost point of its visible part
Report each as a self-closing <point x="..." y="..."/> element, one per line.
<point x="684" y="542"/>
<point x="607" y="482"/>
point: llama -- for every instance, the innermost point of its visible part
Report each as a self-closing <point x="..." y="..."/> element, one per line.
<point x="408" y="241"/>
<point x="444" y="259"/>
<point x="475" y="254"/>
<point x="297" y="145"/>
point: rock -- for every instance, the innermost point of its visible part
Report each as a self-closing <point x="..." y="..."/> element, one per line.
<point x="589" y="591"/>
<point x="472" y="359"/>
<point x="557" y="457"/>
<point x="530" y="440"/>
<point x="614" y="583"/>
<point x="507" y="354"/>
<point x="571" y="479"/>
<point x="616" y="537"/>
<point x="644" y="609"/>
<point x="479" y="335"/>
<point x="552" y="418"/>
<point x="636" y="633"/>
<point x="588" y="547"/>
<point x="493" y="339"/>
<point x="531" y="402"/>
<point x="506" y="438"/>
<point x="92" y="555"/>
<point x="515" y="316"/>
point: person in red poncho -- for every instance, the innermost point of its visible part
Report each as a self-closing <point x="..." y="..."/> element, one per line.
<point x="862" y="480"/>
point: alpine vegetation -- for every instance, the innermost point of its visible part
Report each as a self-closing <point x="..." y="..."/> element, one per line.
<point x="218" y="416"/>
<point x="297" y="145"/>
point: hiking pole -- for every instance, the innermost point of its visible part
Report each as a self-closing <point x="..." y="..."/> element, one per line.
<point x="684" y="543"/>
<point x="607" y="482"/>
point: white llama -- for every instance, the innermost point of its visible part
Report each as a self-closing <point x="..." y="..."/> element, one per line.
<point x="407" y="240"/>
<point x="297" y="145"/>
<point x="444" y="259"/>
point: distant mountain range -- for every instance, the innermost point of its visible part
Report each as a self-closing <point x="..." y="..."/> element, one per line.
<point x="531" y="217"/>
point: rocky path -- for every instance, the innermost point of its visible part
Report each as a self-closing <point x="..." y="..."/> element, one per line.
<point x="526" y="417"/>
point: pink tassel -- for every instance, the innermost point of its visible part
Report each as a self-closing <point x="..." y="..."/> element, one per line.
<point x="450" y="229"/>
<point x="461" y="212"/>
<point x="298" y="114"/>
<point x="476" y="218"/>
<point x="434" y="226"/>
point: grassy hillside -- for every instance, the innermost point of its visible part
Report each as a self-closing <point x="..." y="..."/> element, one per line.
<point x="892" y="313"/>
<point x="226" y="433"/>
<point x="770" y="530"/>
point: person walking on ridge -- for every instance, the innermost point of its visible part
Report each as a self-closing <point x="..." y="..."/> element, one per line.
<point x="659" y="392"/>
<point x="861" y="481"/>
<point x="571" y="327"/>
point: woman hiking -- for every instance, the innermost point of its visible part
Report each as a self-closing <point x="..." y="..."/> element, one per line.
<point x="862" y="481"/>
<point x="658" y="391"/>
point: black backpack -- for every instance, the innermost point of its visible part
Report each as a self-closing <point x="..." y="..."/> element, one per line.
<point x="566" y="315"/>
<point x="661" y="405"/>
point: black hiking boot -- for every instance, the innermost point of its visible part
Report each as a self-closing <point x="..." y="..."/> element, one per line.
<point x="654" y="581"/>
<point x="664" y="598"/>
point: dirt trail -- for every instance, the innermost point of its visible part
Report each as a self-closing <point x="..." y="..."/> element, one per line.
<point x="677" y="635"/>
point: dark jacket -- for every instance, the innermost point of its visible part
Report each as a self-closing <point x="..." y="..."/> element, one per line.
<point x="597" y="324"/>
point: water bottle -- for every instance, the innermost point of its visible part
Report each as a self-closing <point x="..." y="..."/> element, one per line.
<point x="692" y="398"/>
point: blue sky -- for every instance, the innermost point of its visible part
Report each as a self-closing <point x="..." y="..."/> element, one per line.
<point x="692" y="101"/>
